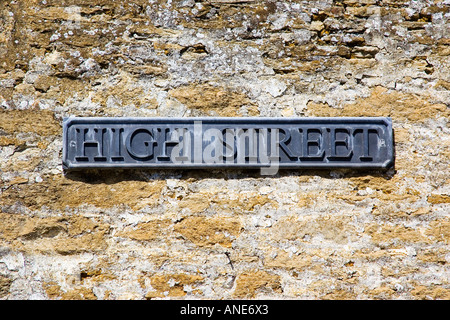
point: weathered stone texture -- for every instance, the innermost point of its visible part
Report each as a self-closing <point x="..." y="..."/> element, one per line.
<point x="150" y="234"/>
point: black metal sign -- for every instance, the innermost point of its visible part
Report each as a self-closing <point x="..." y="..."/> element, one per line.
<point x="269" y="143"/>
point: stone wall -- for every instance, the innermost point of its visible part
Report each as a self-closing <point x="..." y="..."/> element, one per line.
<point x="148" y="234"/>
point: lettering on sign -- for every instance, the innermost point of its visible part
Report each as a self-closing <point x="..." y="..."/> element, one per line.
<point x="266" y="143"/>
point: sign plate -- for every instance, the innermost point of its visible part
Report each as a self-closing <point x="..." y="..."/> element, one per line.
<point x="228" y="142"/>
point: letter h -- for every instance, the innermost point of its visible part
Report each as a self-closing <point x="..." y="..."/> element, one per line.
<point x="83" y="143"/>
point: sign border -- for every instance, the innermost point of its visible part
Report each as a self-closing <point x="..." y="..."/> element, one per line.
<point x="387" y="121"/>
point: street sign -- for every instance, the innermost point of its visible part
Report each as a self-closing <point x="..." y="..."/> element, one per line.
<point x="360" y="143"/>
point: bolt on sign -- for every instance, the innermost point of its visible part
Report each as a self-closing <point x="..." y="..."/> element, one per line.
<point x="264" y="143"/>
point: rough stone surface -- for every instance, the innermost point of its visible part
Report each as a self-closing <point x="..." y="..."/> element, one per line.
<point x="224" y="234"/>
